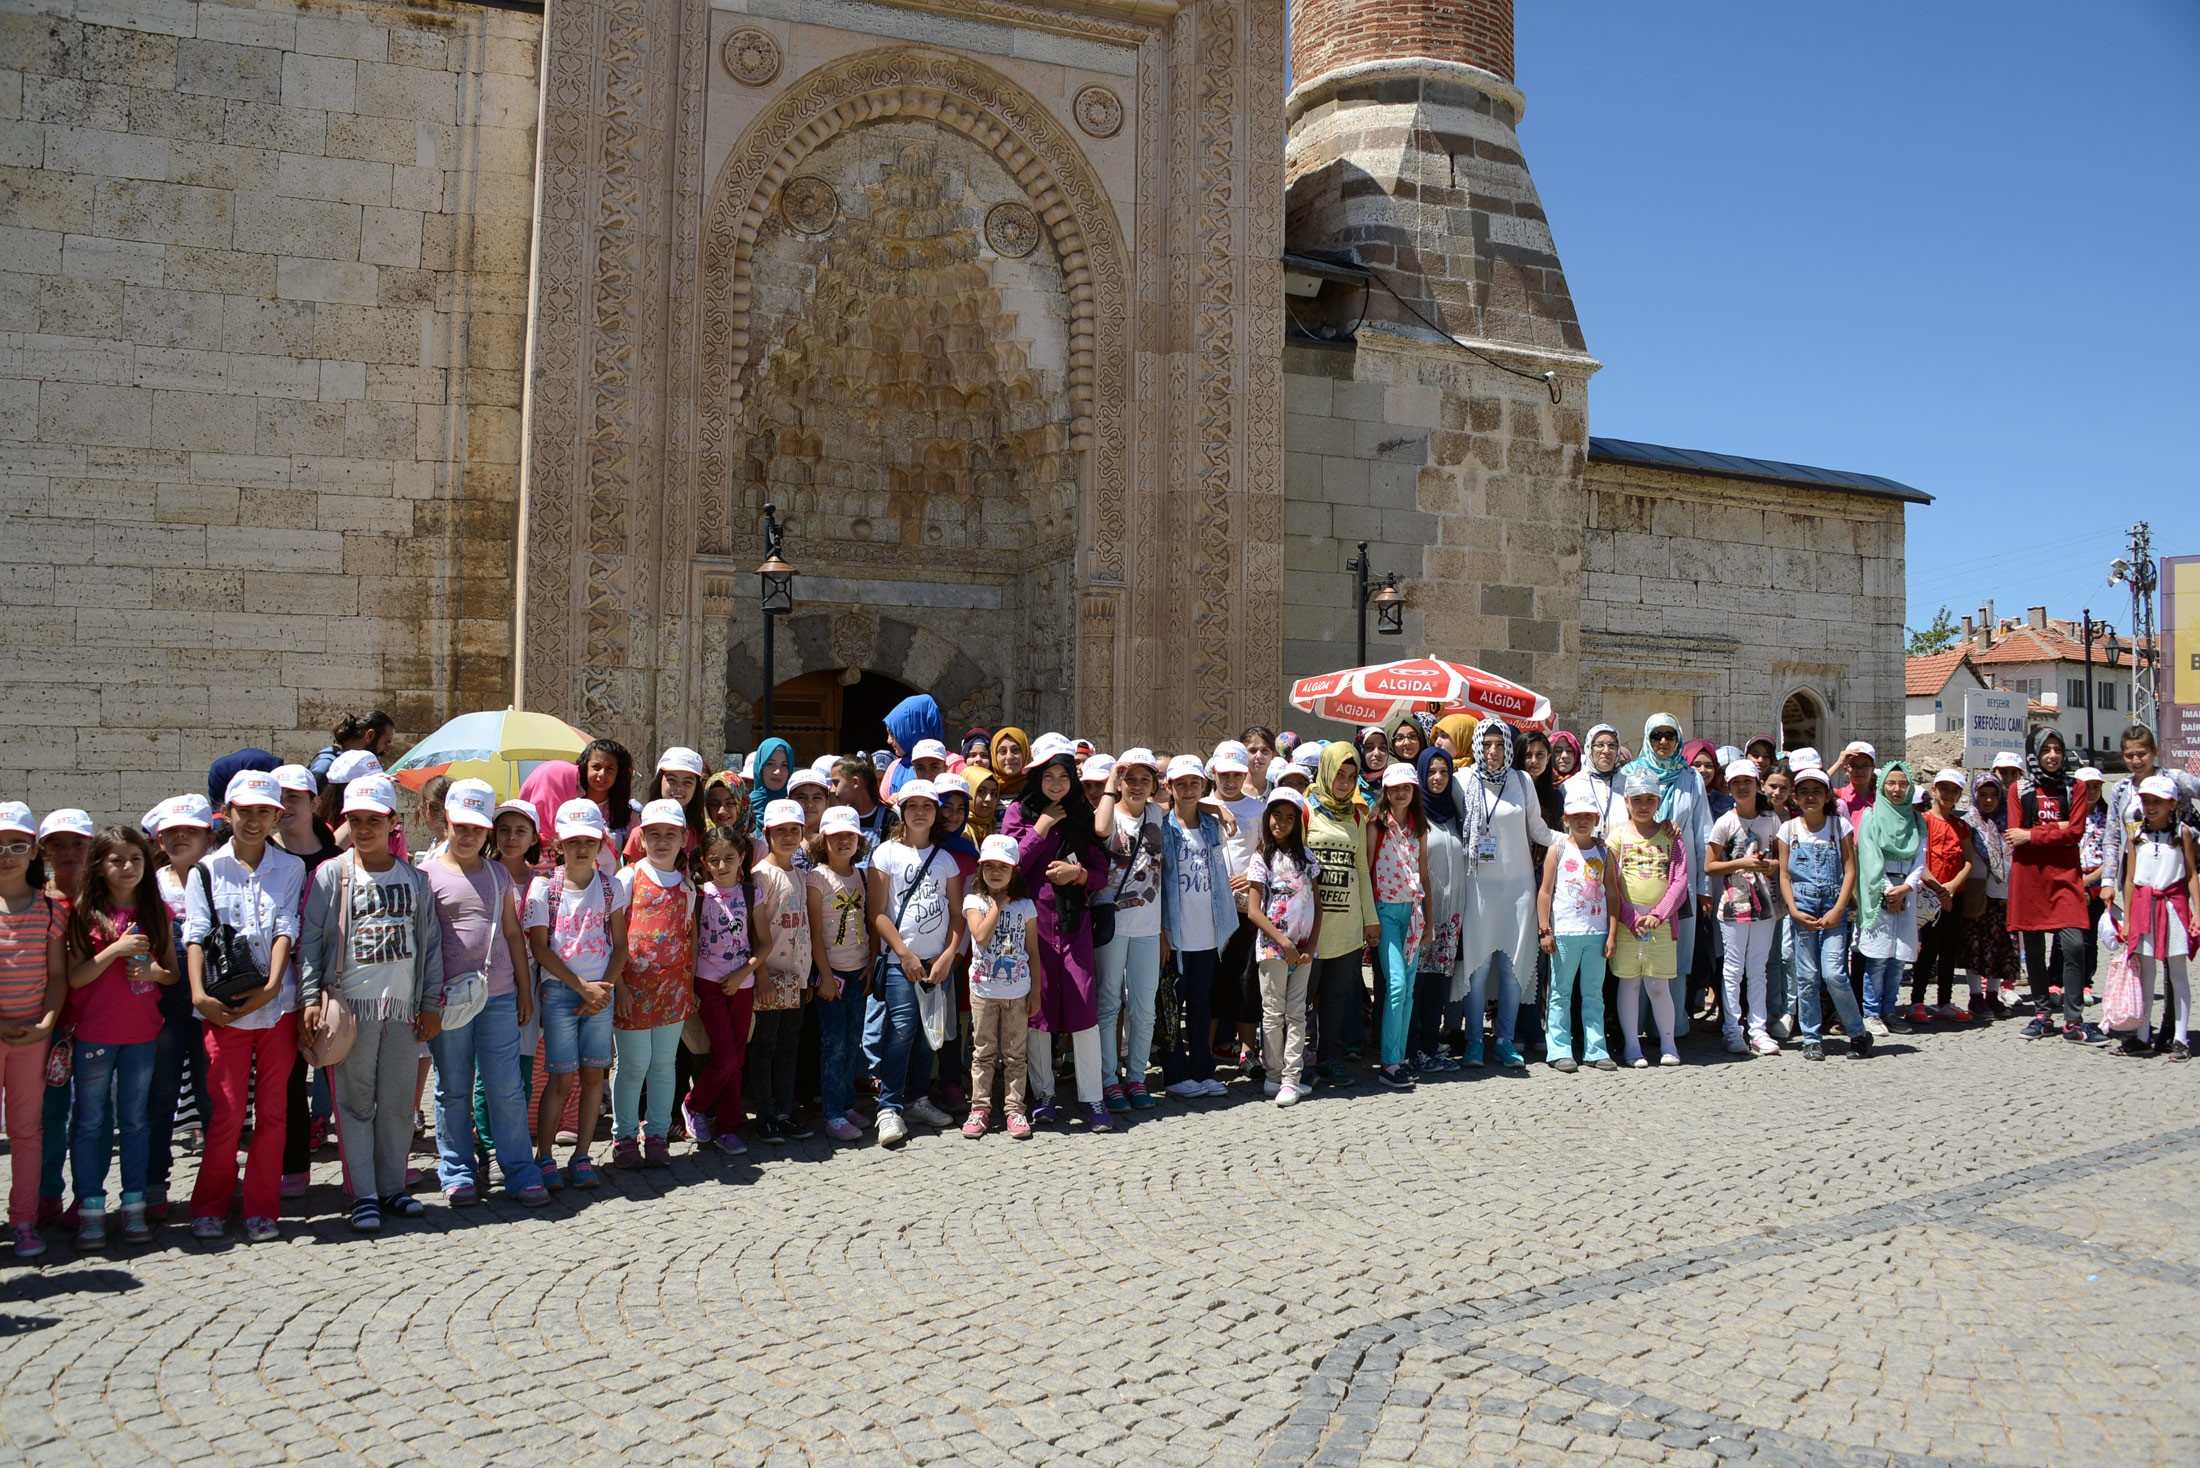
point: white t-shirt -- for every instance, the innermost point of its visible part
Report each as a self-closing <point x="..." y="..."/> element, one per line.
<point x="1138" y="908"/>
<point x="582" y="936"/>
<point x="1289" y="904"/>
<point x="1738" y="839"/>
<point x="1195" y="885"/>
<point x="924" y="921"/>
<point x="1001" y="969"/>
<point x="1247" y="810"/>
<point x="1578" y="905"/>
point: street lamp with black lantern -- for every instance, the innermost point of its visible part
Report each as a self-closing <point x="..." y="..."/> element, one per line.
<point x="1389" y="602"/>
<point x="775" y="595"/>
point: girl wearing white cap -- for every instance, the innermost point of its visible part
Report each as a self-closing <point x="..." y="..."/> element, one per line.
<point x="1817" y="857"/>
<point x="679" y="778"/>
<point x="183" y="829"/>
<point x="1574" y="905"/>
<point x="915" y="902"/>
<point x="1057" y="831"/>
<point x="1198" y="915"/>
<point x="1993" y="952"/>
<point x="1398" y="867"/>
<point x="477" y="909"/>
<point x="783" y="987"/>
<point x="656" y="990"/>
<point x="1653" y="889"/>
<point x="1945" y="942"/>
<point x="844" y="947"/>
<point x="1283" y="878"/>
<point x="32" y="991"/>
<point x="1504" y="822"/>
<point x="256" y="889"/>
<point x="1128" y="966"/>
<point x="1684" y="804"/>
<point x="2161" y="890"/>
<point x="1740" y="854"/>
<point x="372" y="940"/>
<point x="576" y="930"/>
<point x="1005" y="974"/>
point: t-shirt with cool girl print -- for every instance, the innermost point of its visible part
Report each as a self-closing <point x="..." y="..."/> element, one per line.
<point x="1001" y="968"/>
<point x="722" y="933"/>
<point x="1578" y="905"/>
<point x="582" y="936"/>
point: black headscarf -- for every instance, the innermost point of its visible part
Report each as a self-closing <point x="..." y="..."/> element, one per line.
<point x="2036" y="777"/>
<point x="1440" y="810"/>
<point x="1077" y="828"/>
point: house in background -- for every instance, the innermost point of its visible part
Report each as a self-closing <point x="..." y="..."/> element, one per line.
<point x="1933" y="687"/>
<point x="2044" y="658"/>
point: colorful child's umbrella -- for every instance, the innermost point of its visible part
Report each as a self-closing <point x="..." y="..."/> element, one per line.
<point x="502" y="746"/>
<point x="1387" y="691"/>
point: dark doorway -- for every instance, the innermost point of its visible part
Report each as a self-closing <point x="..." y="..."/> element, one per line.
<point x="819" y="714"/>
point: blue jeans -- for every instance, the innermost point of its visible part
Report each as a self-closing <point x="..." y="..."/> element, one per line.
<point x="489" y="1048"/>
<point x="114" y="1087"/>
<point x="1499" y="965"/>
<point x="1822" y="959"/>
<point x="1883" y="986"/>
<point x="1580" y="959"/>
<point x="645" y="1056"/>
<point x="1396" y="919"/>
<point x="840" y="1044"/>
<point x="570" y="1042"/>
<point x="1127" y="973"/>
<point x="904" y="1068"/>
<point x="1194" y="1059"/>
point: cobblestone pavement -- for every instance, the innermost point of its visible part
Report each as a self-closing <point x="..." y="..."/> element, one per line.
<point x="1966" y="1250"/>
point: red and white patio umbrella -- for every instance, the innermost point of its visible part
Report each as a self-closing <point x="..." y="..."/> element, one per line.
<point x="1387" y="691"/>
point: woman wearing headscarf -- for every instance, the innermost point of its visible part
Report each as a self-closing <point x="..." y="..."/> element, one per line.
<point x="1063" y="865"/>
<point x="1890" y="868"/>
<point x="1409" y="735"/>
<point x="2046" y="887"/>
<point x="1503" y="823"/>
<point x="1443" y="953"/>
<point x="1455" y="734"/>
<point x="1336" y="836"/>
<point x="1008" y="756"/>
<point x="985" y="802"/>
<point x="914" y="719"/>
<point x="1682" y="801"/>
<point x="1374" y="747"/>
<point x="1597" y="778"/>
<point x="1993" y="956"/>
<point x="774" y="766"/>
<point x="1703" y="975"/>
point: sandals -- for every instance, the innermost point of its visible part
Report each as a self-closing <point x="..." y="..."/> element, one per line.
<point x="366" y="1217"/>
<point x="403" y="1205"/>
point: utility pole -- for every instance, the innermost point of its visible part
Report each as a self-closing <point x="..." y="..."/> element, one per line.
<point x="2135" y="568"/>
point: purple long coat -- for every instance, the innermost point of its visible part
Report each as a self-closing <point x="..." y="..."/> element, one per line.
<point x="1069" y="1000"/>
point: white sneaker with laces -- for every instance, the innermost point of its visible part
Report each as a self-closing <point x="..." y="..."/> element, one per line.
<point x="925" y="1112"/>
<point x="892" y="1130"/>
<point x="1763" y="1044"/>
<point x="1876" y="1025"/>
<point x="1288" y="1096"/>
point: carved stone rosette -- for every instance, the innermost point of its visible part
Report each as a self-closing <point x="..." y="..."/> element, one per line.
<point x="1099" y="112"/>
<point x="751" y="56"/>
<point x="809" y="204"/>
<point x="1012" y="230"/>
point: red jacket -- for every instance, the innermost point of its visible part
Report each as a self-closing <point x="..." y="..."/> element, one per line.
<point x="2046" y="890"/>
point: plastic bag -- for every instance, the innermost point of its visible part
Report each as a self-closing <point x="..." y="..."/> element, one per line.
<point x="2123" y="1003"/>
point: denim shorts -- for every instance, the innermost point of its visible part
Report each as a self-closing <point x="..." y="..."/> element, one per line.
<point x="569" y="1041"/>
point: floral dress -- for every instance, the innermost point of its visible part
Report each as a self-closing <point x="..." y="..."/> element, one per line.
<point x="1397" y="876"/>
<point x="658" y="986"/>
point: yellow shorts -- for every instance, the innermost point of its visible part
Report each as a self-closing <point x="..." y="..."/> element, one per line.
<point x="1654" y="957"/>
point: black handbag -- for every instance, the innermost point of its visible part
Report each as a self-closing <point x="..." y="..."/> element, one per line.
<point x="232" y="974"/>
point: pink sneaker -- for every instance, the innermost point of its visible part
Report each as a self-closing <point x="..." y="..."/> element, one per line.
<point x="1019" y="1126"/>
<point x="978" y="1123"/>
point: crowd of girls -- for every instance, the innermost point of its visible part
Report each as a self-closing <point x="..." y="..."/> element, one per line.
<point x="999" y="937"/>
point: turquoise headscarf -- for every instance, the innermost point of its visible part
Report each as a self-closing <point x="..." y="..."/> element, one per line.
<point x="1886" y="841"/>
<point x="1672" y="771"/>
<point x="763" y="795"/>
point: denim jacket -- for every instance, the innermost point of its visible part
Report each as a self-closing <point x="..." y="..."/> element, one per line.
<point x="1225" y="902"/>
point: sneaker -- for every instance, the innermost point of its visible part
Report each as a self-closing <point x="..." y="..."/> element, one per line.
<point x="1637" y="1062"/>
<point x="698" y="1125"/>
<point x="551" y="1177"/>
<point x="1213" y="1089"/>
<point x="1472" y="1057"/>
<point x="261" y="1230"/>
<point x="91" y="1229"/>
<point x="1019" y="1126"/>
<point x="1186" y="1089"/>
<point x="1140" y="1098"/>
<point x="2180" y="1052"/>
<point x="1440" y="1064"/>
<point x="1097" y="1118"/>
<point x="892" y="1130"/>
<point x="366" y="1217"/>
<point x="1895" y="1024"/>
<point x="29" y="1243"/>
<point x="135" y="1230"/>
<point x="2085" y="1034"/>
<point x="1920" y="1015"/>
<point x="1565" y="1065"/>
<point x="1812" y="1050"/>
<point x="1508" y="1058"/>
<point x="1956" y="1016"/>
<point x="294" y="1184"/>
<point x="1271" y="1089"/>
<point x="1860" y="1046"/>
<point x="977" y="1124"/>
<point x="1783" y="1027"/>
<point x="840" y="1129"/>
<point x="2039" y="1028"/>
<point x="1736" y="1045"/>
<point x="2133" y="1048"/>
<point x="1669" y="1058"/>
<point x="731" y="1145"/>
<point x="1607" y="1063"/>
<point x="537" y="1196"/>
<point x="1762" y="1043"/>
<point x="1288" y="1096"/>
<point x="626" y="1152"/>
<point x="1874" y="1025"/>
<point x="1395" y="1077"/>
<point x="925" y="1113"/>
<point x="657" y="1151"/>
<point x="1115" y="1100"/>
<point x="1046" y="1113"/>
<point x="768" y="1131"/>
<point x="581" y="1171"/>
<point x="208" y="1229"/>
<point x="404" y="1205"/>
<point x="465" y="1195"/>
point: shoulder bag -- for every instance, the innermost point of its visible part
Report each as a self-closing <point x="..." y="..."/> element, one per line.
<point x="878" y="969"/>
<point x="332" y="1040"/>
<point x="1103" y="913"/>
<point x="232" y="975"/>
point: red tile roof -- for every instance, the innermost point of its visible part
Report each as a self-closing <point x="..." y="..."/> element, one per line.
<point x="1924" y="677"/>
<point x="2022" y="644"/>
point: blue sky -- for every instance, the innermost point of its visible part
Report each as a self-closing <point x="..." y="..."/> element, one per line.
<point x="1953" y="244"/>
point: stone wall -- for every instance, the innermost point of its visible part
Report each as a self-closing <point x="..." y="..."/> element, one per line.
<point x="262" y="316"/>
<point x="1717" y="599"/>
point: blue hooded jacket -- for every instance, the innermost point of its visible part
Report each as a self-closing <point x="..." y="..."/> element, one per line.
<point x="915" y="717"/>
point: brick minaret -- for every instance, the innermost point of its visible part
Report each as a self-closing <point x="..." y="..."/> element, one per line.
<point x="1402" y="149"/>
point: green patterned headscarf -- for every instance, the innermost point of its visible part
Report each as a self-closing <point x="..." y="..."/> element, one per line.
<point x="1887" y="841"/>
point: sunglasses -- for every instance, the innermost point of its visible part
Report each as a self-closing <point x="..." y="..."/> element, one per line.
<point x="1665" y="736"/>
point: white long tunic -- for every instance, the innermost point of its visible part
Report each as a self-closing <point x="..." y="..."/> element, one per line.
<point x="1500" y="913"/>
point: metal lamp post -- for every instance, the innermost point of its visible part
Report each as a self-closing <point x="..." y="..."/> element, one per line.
<point x="775" y="594"/>
<point x="1389" y="602"/>
<point x="2087" y="617"/>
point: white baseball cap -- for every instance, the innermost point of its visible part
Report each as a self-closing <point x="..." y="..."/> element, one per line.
<point x="1398" y="772"/>
<point x="1098" y="767"/>
<point x="1290" y="771"/>
<point x="1138" y="755"/>
<point x="807" y="779"/>
<point x="521" y="808"/>
<point x="351" y="765"/>
<point x="840" y="820"/>
<point x="1580" y="800"/>
<point x="374" y="793"/>
<point x="928" y="749"/>
<point x="1635" y="780"/>
<point x="1810" y="772"/>
<point x="782" y="813"/>
<point x="1185" y="764"/>
<point x="947" y="783"/>
<point x="681" y="760"/>
<point x="580" y="817"/>
<point x="1000" y="848"/>
<point x="183" y="810"/>
<point x="664" y="813"/>
<point x="1741" y="769"/>
<point x="1797" y="758"/>
<point x="1308" y="756"/>
<point x="69" y="821"/>
<point x="1051" y="746"/>
<point x="824" y="763"/>
<point x="2087" y="775"/>
<point x="917" y="790"/>
<point x="16" y="816"/>
<point x="2161" y="787"/>
<point x="1952" y="777"/>
<point x="297" y="777"/>
<point x="1228" y="764"/>
<point x="2008" y="759"/>
<point x="467" y="803"/>
<point x="1234" y="748"/>
<point x="1858" y="746"/>
<point x="248" y="787"/>
<point x="1285" y="795"/>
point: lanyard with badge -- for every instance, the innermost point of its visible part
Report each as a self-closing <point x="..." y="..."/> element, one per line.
<point x="1485" y="848"/>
